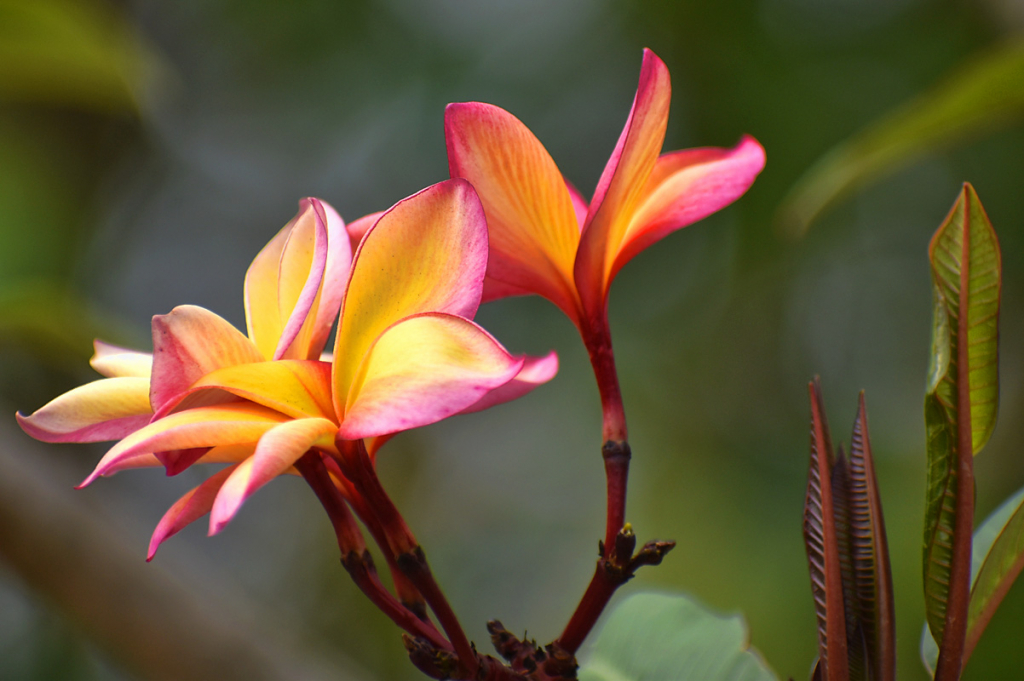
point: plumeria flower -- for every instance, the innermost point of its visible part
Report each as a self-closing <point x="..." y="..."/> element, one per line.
<point x="289" y="313"/>
<point x="546" y="239"/>
<point x="406" y="355"/>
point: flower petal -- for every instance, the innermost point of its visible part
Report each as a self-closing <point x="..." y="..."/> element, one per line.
<point x="116" y="362"/>
<point x="301" y="272"/>
<point x="277" y="450"/>
<point x="358" y="229"/>
<point x="579" y="204"/>
<point x="622" y="183"/>
<point x="283" y="282"/>
<point x="427" y="254"/>
<point x="298" y="388"/>
<point x="332" y="290"/>
<point x="107" y="409"/>
<point x="685" y="187"/>
<point x="189" y="343"/>
<point x="177" y="460"/>
<point x="532" y="226"/>
<point x="421" y="370"/>
<point x="536" y="371"/>
<point x="496" y="290"/>
<point x="262" y="312"/>
<point x="186" y="510"/>
<point x="201" y="427"/>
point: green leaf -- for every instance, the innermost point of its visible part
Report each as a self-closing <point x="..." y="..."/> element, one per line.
<point x="984" y="94"/>
<point x="999" y="546"/>
<point x="998" y="560"/>
<point x="929" y="650"/>
<point x="78" y="52"/>
<point x="960" y="405"/>
<point x="668" y="637"/>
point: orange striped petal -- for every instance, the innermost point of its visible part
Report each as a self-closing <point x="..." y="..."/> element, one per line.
<point x="107" y="409"/>
<point x="283" y="284"/>
<point x="186" y="510"/>
<point x="535" y="372"/>
<point x="687" y="186"/>
<point x="298" y="388"/>
<point x="189" y="343"/>
<point x="532" y="225"/>
<point x="622" y="184"/>
<point x="427" y="254"/>
<point x="421" y="370"/>
<point x="277" y="450"/>
<point x="116" y="362"/>
<point x="201" y="427"/>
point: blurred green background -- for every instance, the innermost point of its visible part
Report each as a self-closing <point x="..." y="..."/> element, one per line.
<point x="149" y="148"/>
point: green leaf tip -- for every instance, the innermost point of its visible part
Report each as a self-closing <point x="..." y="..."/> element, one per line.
<point x="960" y="411"/>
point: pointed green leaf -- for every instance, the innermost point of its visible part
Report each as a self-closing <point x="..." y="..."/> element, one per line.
<point x="999" y="546"/>
<point x="982" y="95"/>
<point x="960" y="410"/>
<point x="998" y="560"/>
<point x="661" y="636"/>
<point x="821" y="541"/>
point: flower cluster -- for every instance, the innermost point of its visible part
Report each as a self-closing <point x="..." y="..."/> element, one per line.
<point x="406" y="355"/>
<point x="402" y="287"/>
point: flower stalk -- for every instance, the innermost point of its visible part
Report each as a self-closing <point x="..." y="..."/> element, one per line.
<point x="354" y="555"/>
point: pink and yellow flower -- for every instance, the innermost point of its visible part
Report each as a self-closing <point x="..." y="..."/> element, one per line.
<point x="406" y="355"/>
<point x="545" y="238"/>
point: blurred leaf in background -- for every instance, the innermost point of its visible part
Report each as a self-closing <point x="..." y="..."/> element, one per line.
<point x="672" y="636"/>
<point x="80" y="53"/>
<point x="981" y="95"/>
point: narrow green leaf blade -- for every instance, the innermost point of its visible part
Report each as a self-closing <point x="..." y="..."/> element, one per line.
<point x="870" y="553"/>
<point x="667" y="636"/>
<point x="982" y="95"/>
<point x="960" y="410"/>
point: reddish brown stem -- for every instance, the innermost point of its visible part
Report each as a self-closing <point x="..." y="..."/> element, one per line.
<point x="350" y="539"/>
<point x="598" y="340"/>
<point x="414" y="565"/>
<point x="364" y="574"/>
<point x="611" y="573"/>
<point x="355" y="558"/>
<point x="951" y="652"/>
<point x="357" y="467"/>
<point x="407" y="593"/>
<point x="593" y="603"/>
